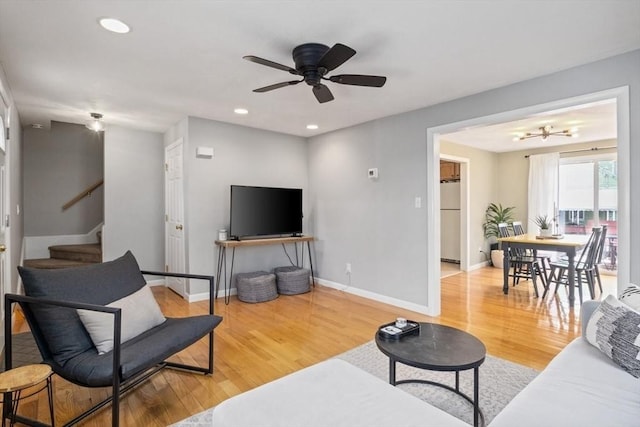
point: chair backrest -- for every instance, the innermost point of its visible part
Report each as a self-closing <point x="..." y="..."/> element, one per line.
<point x="59" y="333"/>
<point x="601" y="245"/>
<point x="503" y="229"/>
<point x="517" y="228"/>
<point x="589" y="255"/>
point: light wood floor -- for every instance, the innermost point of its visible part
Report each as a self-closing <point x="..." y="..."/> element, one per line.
<point x="257" y="343"/>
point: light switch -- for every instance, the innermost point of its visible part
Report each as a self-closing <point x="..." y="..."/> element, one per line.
<point x="418" y="202"/>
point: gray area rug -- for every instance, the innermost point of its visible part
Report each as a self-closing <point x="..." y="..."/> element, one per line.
<point x="500" y="381"/>
<point x="25" y="351"/>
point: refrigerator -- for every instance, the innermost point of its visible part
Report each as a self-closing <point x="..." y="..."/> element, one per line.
<point x="450" y="221"/>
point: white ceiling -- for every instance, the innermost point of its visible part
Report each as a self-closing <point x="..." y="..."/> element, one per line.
<point x="185" y="57"/>
<point x="590" y="122"/>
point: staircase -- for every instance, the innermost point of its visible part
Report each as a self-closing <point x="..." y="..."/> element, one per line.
<point x="65" y="256"/>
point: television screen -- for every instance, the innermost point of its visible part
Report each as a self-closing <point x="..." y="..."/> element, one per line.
<point x="264" y="211"/>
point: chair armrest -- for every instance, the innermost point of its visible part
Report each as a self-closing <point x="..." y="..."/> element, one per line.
<point x="9" y="299"/>
<point x="211" y="280"/>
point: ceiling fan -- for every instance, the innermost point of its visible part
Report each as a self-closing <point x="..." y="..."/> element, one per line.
<point x="312" y="62"/>
<point x="545" y="133"/>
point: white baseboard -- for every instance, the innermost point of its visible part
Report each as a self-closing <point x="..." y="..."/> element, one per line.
<point x="479" y="266"/>
<point x="422" y="309"/>
<point x="205" y="295"/>
<point x="341" y="287"/>
<point x="157" y="282"/>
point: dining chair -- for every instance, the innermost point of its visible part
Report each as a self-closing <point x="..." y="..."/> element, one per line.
<point x="600" y="253"/>
<point x="543" y="256"/>
<point x="522" y="264"/>
<point x="584" y="267"/>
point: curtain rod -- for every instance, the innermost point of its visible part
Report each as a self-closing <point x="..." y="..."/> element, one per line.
<point x="579" y="151"/>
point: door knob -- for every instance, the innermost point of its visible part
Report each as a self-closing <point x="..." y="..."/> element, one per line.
<point x="179" y="227"/>
<point x="2" y="248"/>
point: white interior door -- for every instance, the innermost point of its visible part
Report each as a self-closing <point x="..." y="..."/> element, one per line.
<point x="174" y="216"/>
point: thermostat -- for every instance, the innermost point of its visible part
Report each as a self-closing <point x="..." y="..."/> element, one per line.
<point x="204" y="152"/>
<point x="373" y="173"/>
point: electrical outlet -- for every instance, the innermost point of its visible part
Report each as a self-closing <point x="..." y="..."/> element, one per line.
<point x="347" y="268"/>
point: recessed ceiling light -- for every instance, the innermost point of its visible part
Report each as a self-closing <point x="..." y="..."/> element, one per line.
<point x="114" y="25"/>
<point x="241" y="111"/>
<point x="312" y="127"/>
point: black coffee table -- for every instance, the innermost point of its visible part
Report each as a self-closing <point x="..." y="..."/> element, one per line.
<point x="437" y="348"/>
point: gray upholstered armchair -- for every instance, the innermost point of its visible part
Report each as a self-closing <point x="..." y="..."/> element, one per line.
<point x="79" y="316"/>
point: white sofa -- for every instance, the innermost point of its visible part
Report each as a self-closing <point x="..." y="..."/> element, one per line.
<point x="580" y="387"/>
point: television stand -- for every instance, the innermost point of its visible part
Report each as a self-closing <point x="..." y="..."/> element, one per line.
<point x="223" y="245"/>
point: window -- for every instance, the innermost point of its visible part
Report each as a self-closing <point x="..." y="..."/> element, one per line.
<point x="588" y="197"/>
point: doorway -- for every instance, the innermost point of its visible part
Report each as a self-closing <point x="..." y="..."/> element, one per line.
<point x="621" y="96"/>
<point x="454" y="214"/>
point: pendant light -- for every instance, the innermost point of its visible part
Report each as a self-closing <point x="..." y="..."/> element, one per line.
<point x="96" y="123"/>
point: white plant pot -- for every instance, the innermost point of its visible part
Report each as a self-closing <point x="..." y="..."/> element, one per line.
<point x="546" y="232"/>
<point x="497" y="258"/>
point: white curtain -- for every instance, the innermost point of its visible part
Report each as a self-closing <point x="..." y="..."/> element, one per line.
<point x="543" y="187"/>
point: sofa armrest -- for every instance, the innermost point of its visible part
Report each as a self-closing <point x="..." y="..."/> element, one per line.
<point x="586" y="310"/>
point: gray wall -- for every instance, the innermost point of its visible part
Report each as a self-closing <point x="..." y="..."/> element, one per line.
<point x="58" y="165"/>
<point x="134" y="196"/>
<point x="243" y="156"/>
<point x="375" y="224"/>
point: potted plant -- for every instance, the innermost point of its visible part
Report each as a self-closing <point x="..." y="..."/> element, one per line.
<point x="494" y="215"/>
<point x="544" y="223"/>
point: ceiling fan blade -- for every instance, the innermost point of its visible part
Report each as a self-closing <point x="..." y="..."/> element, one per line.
<point x="322" y="93"/>
<point x="271" y="64"/>
<point x="336" y="56"/>
<point x="359" y="80"/>
<point x="277" y="86"/>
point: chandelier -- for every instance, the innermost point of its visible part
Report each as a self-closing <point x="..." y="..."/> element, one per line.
<point x="545" y="133"/>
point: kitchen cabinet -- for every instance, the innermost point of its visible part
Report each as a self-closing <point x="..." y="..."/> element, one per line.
<point x="449" y="171"/>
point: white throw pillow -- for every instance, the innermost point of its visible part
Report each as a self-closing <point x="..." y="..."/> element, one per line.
<point x="631" y="296"/>
<point x="140" y="312"/>
<point x="614" y="328"/>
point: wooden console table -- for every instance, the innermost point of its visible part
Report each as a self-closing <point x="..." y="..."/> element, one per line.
<point x="233" y="244"/>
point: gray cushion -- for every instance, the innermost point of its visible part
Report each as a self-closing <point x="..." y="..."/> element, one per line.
<point x="138" y="354"/>
<point x="102" y="284"/>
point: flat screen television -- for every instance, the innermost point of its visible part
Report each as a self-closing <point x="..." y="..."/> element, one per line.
<point x="265" y="211"/>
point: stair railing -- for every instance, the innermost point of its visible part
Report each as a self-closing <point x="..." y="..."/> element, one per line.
<point x="85" y="193"/>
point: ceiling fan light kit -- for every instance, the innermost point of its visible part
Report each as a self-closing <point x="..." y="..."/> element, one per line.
<point x="545" y="133"/>
<point x="312" y="62"/>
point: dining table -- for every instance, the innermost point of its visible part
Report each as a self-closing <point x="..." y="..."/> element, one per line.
<point x="568" y="244"/>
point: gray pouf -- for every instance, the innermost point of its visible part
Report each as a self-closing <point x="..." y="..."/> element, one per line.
<point x="292" y="280"/>
<point x="258" y="286"/>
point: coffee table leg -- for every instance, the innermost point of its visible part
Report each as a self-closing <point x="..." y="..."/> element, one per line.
<point x="476" y="395"/>
<point x="457" y="380"/>
<point x="392" y="371"/>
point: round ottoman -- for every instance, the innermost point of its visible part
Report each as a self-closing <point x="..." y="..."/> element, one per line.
<point x="258" y="286"/>
<point x="292" y="280"/>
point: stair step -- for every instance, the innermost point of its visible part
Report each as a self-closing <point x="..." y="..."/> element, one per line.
<point x="53" y="263"/>
<point x="86" y="253"/>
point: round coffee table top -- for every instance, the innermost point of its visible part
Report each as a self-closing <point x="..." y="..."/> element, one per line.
<point x="435" y="347"/>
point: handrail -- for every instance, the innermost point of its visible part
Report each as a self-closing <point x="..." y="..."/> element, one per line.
<point x="82" y="195"/>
